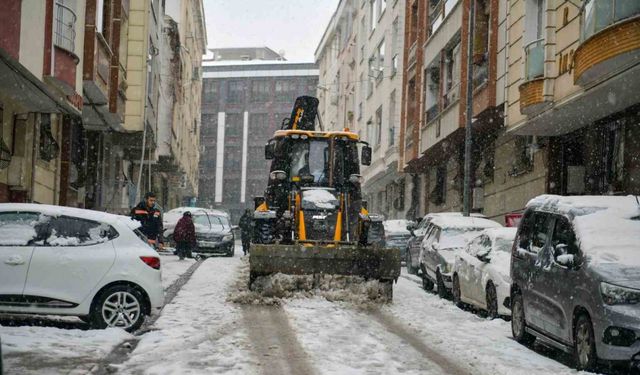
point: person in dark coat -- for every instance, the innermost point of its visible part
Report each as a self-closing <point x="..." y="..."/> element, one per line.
<point x="150" y="218"/>
<point x="185" y="236"/>
<point x="246" y="228"/>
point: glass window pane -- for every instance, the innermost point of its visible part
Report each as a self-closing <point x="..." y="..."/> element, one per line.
<point x="18" y="228"/>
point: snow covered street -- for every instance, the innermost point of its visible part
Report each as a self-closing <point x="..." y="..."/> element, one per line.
<point x="213" y="326"/>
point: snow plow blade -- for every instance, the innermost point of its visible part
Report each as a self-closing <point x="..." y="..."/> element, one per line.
<point x="330" y="259"/>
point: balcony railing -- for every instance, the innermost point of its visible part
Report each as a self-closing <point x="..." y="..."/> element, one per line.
<point x="65" y="27"/>
<point x="534" y="59"/>
<point x="431" y="113"/>
<point x="438" y="13"/>
<point x="598" y="14"/>
<point x="452" y="95"/>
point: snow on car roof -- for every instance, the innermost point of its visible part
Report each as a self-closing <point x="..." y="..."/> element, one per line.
<point x="50" y="210"/>
<point x="607" y="227"/>
<point x="464" y="222"/>
<point x="396" y="226"/>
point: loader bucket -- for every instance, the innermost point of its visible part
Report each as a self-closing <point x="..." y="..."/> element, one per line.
<point x="330" y="259"/>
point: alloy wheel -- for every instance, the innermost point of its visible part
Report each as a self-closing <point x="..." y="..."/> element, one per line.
<point x="584" y="342"/>
<point x="121" y="309"/>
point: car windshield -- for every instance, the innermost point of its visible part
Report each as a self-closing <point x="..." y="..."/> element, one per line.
<point x="221" y="221"/>
<point x="201" y="220"/>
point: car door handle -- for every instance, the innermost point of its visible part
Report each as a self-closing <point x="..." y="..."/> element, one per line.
<point x="14" y="260"/>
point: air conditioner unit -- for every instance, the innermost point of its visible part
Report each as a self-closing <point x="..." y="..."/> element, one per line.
<point x="17" y="176"/>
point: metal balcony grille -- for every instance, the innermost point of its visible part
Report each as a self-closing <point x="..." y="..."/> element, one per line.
<point x="65" y="27"/>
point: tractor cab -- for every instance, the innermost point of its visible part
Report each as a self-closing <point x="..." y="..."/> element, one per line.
<point x="316" y="159"/>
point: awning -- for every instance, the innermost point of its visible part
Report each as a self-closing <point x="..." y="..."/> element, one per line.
<point x="97" y="117"/>
<point x="21" y="88"/>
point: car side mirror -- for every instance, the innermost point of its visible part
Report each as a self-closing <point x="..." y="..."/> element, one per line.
<point x="435" y="245"/>
<point x="483" y="256"/>
<point x="562" y="258"/>
<point x="411" y="227"/>
<point x="366" y="155"/>
<point x="269" y="151"/>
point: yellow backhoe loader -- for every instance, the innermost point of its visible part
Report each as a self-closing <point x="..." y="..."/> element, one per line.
<point x="312" y="218"/>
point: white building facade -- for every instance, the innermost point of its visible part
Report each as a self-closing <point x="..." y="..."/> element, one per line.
<point x="360" y="63"/>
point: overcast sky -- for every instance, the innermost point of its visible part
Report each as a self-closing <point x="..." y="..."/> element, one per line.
<point x="294" y="26"/>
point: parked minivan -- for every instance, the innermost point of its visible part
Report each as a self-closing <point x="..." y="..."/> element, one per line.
<point x="575" y="269"/>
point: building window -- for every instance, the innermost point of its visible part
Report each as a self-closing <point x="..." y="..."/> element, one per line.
<point x="49" y="148"/>
<point x="233" y="127"/>
<point x="432" y="90"/>
<point x="378" y="136"/>
<point x="210" y="90"/>
<point x="258" y="124"/>
<point x="413" y="26"/>
<point x="260" y="92"/>
<point x="373" y="15"/>
<point x="452" y="75"/>
<point x="286" y="91"/>
<point x="481" y="43"/>
<point x="371" y="75"/>
<point x="236" y="93"/>
<point x="380" y="51"/>
<point x="439" y="193"/>
<point x="395" y="36"/>
<point x="392" y="119"/>
<point x="534" y="39"/>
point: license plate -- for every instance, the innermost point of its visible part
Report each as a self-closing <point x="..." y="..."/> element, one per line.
<point x="207" y="243"/>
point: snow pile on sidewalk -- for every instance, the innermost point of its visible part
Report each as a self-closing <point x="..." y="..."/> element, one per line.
<point x="37" y="350"/>
<point x="273" y="289"/>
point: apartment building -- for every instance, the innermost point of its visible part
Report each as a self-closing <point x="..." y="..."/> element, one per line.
<point x="434" y="100"/>
<point x="572" y="95"/>
<point x="183" y="44"/>
<point x="41" y="57"/>
<point x="361" y="65"/>
<point x="104" y="84"/>
<point x="243" y="103"/>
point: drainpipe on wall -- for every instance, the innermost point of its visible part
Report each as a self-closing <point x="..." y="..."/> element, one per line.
<point x="33" y="157"/>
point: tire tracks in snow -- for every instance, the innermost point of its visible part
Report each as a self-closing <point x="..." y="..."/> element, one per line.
<point x="274" y="342"/>
<point x="393" y="326"/>
<point x="120" y="353"/>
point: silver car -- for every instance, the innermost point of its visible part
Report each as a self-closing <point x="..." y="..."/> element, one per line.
<point x="444" y="236"/>
<point x="575" y="269"/>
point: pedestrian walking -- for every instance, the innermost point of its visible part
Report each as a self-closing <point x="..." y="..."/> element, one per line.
<point x="150" y="218"/>
<point x="246" y="229"/>
<point x="185" y="236"/>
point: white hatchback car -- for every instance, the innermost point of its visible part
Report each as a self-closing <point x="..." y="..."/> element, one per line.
<point x="69" y="261"/>
<point x="481" y="272"/>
